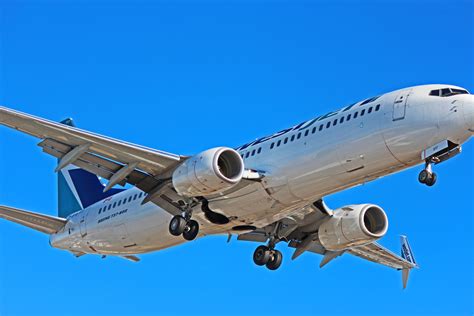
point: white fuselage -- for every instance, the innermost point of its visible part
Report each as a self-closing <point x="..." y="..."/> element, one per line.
<point x="300" y="165"/>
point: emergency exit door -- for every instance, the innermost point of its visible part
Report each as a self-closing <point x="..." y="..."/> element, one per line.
<point x="400" y="105"/>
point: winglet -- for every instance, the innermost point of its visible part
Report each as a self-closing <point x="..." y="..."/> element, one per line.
<point x="407" y="254"/>
<point x="405" y="274"/>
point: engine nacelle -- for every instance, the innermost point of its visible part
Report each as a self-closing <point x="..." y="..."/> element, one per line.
<point x="353" y="225"/>
<point x="212" y="171"/>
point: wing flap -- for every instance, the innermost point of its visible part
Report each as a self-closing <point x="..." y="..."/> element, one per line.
<point x="40" y="222"/>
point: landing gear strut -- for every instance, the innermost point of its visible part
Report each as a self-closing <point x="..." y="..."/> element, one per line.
<point x="427" y="176"/>
<point x="267" y="255"/>
<point x="184" y="225"/>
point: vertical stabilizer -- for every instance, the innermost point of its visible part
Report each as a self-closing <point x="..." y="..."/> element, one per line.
<point x="78" y="188"/>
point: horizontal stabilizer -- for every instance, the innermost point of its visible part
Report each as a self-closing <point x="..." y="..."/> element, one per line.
<point x="43" y="223"/>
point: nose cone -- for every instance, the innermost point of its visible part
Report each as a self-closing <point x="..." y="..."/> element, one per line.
<point x="468" y="109"/>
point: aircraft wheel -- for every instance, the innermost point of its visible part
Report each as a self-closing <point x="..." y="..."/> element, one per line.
<point x="191" y="230"/>
<point x="275" y="260"/>
<point x="261" y="255"/>
<point x="177" y="225"/>
<point x="423" y="176"/>
<point x="431" y="180"/>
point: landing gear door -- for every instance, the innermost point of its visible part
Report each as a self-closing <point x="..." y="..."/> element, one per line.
<point x="400" y="105"/>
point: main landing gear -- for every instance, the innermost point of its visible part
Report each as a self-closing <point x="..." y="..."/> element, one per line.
<point x="267" y="255"/>
<point x="184" y="225"/>
<point x="427" y="176"/>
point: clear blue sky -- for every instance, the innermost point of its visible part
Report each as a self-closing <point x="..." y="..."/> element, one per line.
<point x="189" y="76"/>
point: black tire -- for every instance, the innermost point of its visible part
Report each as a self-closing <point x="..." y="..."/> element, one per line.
<point x="431" y="180"/>
<point x="261" y="255"/>
<point x="275" y="260"/>
<point x="191" y="231"/>
<point x="177" y="225"/>
<point x="423" y="176"/>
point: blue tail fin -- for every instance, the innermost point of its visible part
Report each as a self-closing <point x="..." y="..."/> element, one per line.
<point x="78" y="188"/>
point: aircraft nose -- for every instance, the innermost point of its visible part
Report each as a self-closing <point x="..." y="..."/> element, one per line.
<point x="468" y="109"/>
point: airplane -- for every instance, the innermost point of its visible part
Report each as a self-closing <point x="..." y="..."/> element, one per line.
<point x="270" y="190"/>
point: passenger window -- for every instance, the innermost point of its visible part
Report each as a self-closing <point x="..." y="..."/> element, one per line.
<point x="369" y="100"/>
<point x="370" y="110"/>
<point x="314" y="130"/>
<point x="272" y="145"/>
<point x="259" y="150"/>
<point x="140" y="195"/>
<point x="306" y="133"/>
<point x="253" y="152"/>
<point x="355" y="114"/>
<point x="328" y="124"/>
<point x="293" y="138"/>
<point x="278" y="143"/>
<point x="110" y="206"/>
<point x="100" y="210"/>
<point x="129" y="199"/>
<point x="299" y="136"/>
<point x="341" y="120"/>
<point x="334" y="122"/>
<point x="321" y="127"/>
<point x="135" y="197"/>
<point x="119" y="203"/>
<point x="247" y="154"/>
<point x="377" y="107"/>
<point x="115" y="204"/>
<point x="362" y="112"/>
<point x="348" y="118"/>
<point x="285" y="141"/>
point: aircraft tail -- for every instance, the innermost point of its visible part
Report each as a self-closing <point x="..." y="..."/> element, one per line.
<point x="78" y="188"/>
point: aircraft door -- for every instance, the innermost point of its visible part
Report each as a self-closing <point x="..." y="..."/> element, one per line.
<point x="400" y="105"/>
<point x="121" y="235"/>
<point x="83" y="222"/>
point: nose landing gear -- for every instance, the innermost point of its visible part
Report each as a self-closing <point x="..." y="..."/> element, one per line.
<point x="427" y="176"/>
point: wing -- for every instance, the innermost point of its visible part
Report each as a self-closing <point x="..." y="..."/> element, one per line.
<point x="378" y="254"/>
<point x="43" y="223"/>
<point x="118" y="161"/>
<point x="301" y="232"/>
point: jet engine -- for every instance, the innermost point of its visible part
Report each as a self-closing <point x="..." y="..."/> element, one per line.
<point x="353" y="225"/>
<point x="212" y="171"/>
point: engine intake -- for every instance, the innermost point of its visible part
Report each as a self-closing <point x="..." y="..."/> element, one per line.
<point x="210" y="172"/>
<point x="353" y="225"/>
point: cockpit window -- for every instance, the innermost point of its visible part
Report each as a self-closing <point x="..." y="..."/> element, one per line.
<point x="447" y="92"/>
<point x="459" y="91"/>
<point x="435" y="92"/>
